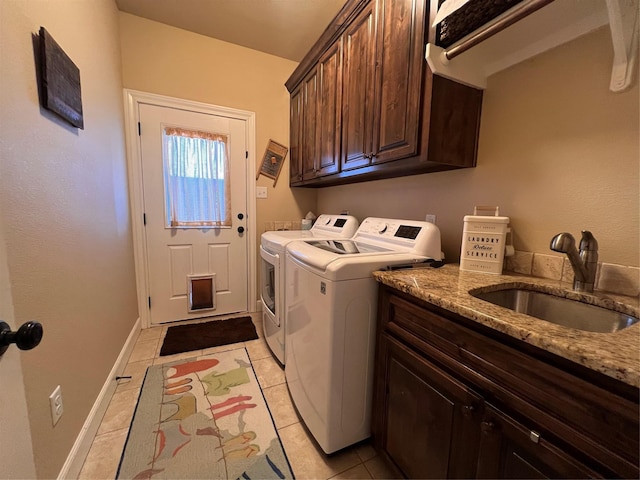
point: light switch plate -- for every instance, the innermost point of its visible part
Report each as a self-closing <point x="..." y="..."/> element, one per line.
<point x="261" y="192"/>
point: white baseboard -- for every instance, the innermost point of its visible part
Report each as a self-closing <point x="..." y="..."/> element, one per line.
<point x="78" y="454"/>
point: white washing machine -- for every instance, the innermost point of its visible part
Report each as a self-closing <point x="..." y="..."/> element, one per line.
<point x="331" y="311"/>
<point x="272" y="284"/>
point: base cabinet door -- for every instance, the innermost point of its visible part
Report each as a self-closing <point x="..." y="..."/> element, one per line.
<point x="509" y="449"/>
<point x="432" y="421"/>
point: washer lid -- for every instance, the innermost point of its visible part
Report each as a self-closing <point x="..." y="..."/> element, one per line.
<point x="321" y="254"/>
<point x="276" y="241"/>
<point x="345" y="247"/>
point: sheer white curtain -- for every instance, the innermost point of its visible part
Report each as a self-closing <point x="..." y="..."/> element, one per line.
<point x="196" y="172"/>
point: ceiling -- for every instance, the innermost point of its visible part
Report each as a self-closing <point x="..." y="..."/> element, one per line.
<point x="286" y="28"/>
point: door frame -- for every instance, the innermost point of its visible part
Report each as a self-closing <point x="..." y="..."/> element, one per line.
<point x="132" y="99"/>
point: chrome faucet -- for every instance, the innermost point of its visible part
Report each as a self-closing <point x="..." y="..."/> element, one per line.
<point x="584" y="262"/>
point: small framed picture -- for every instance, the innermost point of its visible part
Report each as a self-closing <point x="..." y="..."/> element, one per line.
<point x="59" y="81"/>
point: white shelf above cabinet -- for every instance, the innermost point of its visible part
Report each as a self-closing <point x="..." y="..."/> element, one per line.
<point x="550" y="26"/>
<point x="623" y="20"/>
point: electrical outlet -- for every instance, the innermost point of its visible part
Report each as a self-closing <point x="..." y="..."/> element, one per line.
<point x="261" y="192"/>
<point x="55" y="401"/>
<point x="430" y="217"/>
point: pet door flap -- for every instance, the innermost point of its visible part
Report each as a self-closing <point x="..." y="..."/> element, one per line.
<point x="201" y="292"/>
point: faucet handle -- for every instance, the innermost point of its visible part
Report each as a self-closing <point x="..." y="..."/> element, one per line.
<point x="588" y="242"/>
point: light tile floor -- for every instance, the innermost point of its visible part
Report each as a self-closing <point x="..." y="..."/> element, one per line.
<point x="306" y="458"/>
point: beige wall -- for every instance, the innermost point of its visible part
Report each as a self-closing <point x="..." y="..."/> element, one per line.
<point x="17" y="451"/>
<point x="65" y="217"/>
<point x="169" y="61"/>
<point x="558" y="152"/>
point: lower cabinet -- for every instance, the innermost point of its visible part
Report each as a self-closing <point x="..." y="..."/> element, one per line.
<point x="435" y="415"/>
<point x="431" y="427"/>
<point x="509" y="449"/>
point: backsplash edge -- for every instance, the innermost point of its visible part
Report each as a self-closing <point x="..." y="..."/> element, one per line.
<point x="612" y="278"/>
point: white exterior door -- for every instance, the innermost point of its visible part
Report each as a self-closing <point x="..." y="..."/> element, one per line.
<point x="193" y="271"/>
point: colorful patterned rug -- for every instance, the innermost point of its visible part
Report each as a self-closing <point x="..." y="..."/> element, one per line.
<point x="202" y="418"/>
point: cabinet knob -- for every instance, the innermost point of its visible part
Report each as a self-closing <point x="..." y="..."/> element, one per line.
<point x="468" y="410"/>
<point x="487" y="427"/>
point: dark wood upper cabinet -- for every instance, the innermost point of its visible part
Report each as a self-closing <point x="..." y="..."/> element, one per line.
<point x="394" y="117"/>
<point x="329" y="116"/>
<point x="315" y="119"/>
<point x="309" y="124"/>
<point x="358" y="90"/>
<point x="399" y="60"/>
<point x="296" y="142"/>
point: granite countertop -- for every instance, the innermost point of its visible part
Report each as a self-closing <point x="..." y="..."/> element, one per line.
<point x="614" y="354"/>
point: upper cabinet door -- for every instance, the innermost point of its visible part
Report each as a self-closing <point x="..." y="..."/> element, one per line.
<point x="295" y="137"/>
<point x="329" y="118"/>
<point x="310" y="124"/>
<point x="400" y="63"/>
<point x="358" y="90"/>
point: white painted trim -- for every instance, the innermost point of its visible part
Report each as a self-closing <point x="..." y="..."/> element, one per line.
<point x="132" y="100"/>
<point x="623" y="21"/>
<point x="80" y="449"/>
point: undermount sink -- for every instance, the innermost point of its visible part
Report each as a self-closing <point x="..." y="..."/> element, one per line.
<point x="558" y="310"/>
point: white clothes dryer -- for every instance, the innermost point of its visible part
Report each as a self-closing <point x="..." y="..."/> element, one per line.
<point x="272" y="286"/>
<point x="331" y="311"/>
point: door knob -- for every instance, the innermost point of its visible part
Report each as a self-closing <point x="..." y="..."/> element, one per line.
<point x="240" y="229"/>
<point x="27" y="337"/>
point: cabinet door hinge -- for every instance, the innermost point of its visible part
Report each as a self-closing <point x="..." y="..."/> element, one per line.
<point x="246" y="154"/>
<point x="144" y="218"/>
<point x="139" y="129"/>
<point x="149" y="302"/>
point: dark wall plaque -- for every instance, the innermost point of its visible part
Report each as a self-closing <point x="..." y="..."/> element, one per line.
<point x="60" y="81"/>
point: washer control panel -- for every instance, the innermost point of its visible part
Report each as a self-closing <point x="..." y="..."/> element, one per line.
<point x="390" y="228"/>
<point x="407" y="235"/>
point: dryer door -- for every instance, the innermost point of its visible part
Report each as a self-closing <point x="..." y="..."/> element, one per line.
<point x="269" y="283"/>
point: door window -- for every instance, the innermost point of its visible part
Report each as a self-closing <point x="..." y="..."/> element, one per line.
<point x="196" y="178"/>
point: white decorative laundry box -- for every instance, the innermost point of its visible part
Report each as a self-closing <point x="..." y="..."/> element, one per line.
<point x="483" y="241"/>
